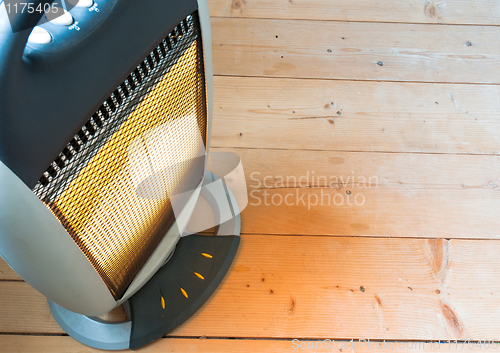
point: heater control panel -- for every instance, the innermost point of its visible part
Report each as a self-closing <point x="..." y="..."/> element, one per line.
<point x="66" y="22"/>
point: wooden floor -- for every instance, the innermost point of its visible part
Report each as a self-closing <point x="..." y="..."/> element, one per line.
<point x="381" y="119"/>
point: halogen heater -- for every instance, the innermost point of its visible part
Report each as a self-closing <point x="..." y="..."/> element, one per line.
<point x="105" y="117"/>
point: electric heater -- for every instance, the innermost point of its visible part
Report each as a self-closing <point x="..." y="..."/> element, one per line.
<point x="105" y="116"/>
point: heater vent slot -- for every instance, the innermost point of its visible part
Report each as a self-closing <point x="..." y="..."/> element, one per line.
<point x="109" y="106"/>
<point x="111" y="185"/>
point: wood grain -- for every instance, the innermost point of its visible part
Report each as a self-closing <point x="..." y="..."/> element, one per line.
<point x="359" y="51"/>
<point x="355" y="116"/>
<point x="323" y="287"/>
<point x="361" y="211"/>
<point x="370" y="194"/>
<point x="6" y="273"/>
<point x="266" y="168"/>
<point x="481" y="12"/>
<point x="47" y="344"/>
<point x="24" y="310"/>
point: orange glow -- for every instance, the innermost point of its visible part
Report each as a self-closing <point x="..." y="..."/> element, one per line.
<point x="114" y="227"/>
<point x="198" y="275"/>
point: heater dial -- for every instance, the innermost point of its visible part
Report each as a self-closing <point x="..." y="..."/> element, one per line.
<point x="82" y="3"/>
<point x="64" y="20"/>
<point x="39" y="35"/>
<point x="69" y="28"/>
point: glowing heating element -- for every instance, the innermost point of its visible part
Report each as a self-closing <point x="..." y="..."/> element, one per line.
<point x="153" y="168"/>
<point x="118" y="207"/>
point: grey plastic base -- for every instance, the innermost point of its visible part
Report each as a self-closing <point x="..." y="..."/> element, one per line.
<point x="91" y="330"/>
<point x="101" y="334"/>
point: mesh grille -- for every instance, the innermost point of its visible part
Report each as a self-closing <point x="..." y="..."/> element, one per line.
<point x="110" y="185"/>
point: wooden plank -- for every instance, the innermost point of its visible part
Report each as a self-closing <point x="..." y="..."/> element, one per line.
<point x="355" y="116"/>
<point x="24" y="310"/>
<point x="323" y="287"/>
<point x="370" y="194"/>
<point x="48" y="344"/>
<point x="372" y="211"/>
<point x="481" y="12"/>
<point x="347" y="50"/>
<point x="264" y="168"/>
<point x="6" y="273"/>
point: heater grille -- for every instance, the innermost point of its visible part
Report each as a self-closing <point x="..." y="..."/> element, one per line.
<point x="111" y="187"/>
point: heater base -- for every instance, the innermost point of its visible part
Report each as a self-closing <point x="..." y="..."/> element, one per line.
<point x="173" y="294"/>
<point x="185" y="283"/>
